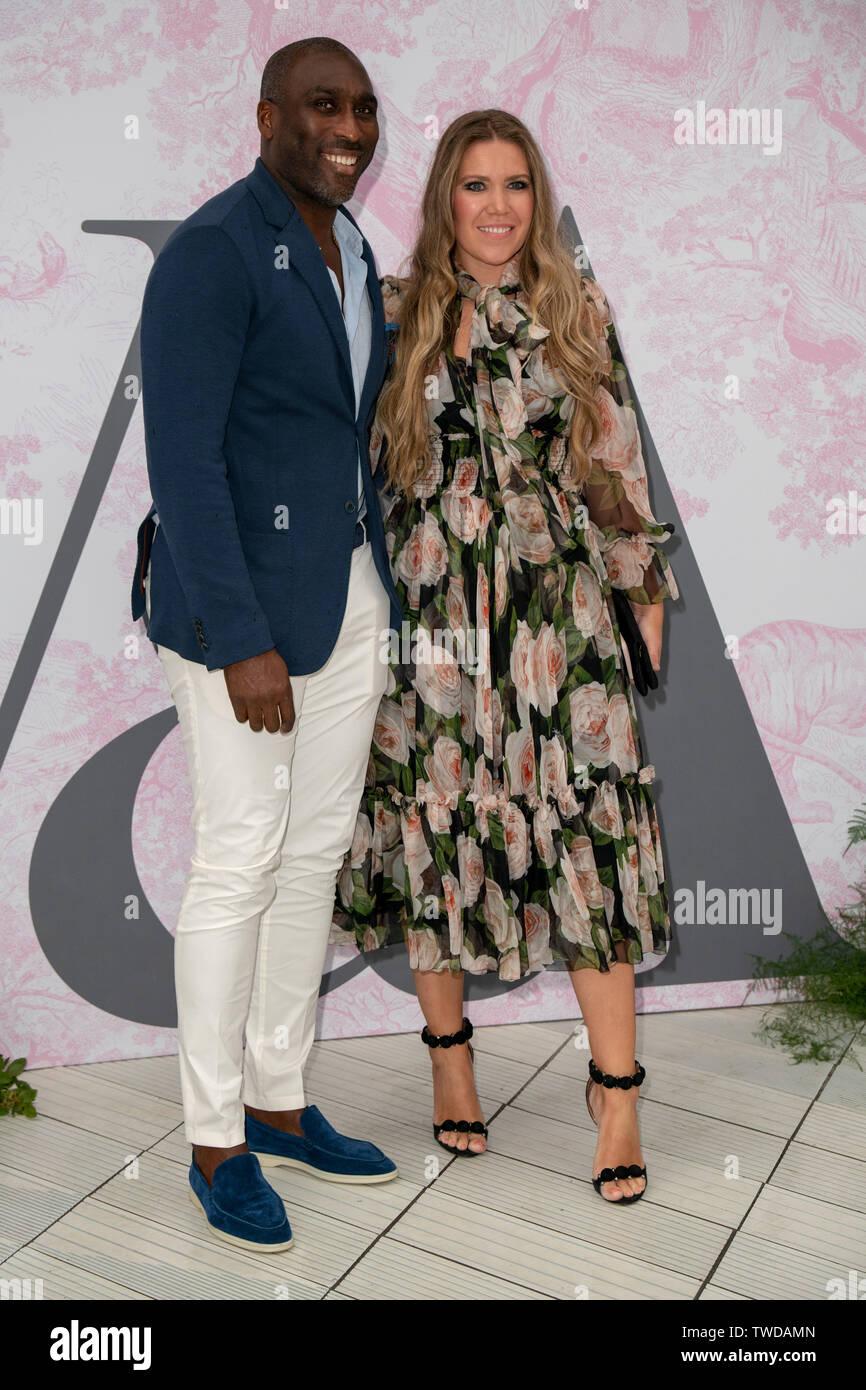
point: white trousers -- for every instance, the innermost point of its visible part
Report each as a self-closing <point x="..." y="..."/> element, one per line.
<point x="273" y="816"/>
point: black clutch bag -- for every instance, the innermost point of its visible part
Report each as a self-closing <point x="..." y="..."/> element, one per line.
<point x="645" y="677"/>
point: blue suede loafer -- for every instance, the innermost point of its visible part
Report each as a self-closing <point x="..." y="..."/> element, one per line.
<point x="321" y="1151"/>
<point x="241" y="1207"/>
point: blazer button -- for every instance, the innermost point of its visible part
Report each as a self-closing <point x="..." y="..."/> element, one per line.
<point x="350" y="505"/>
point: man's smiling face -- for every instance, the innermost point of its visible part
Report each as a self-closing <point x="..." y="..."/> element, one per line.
<point x="323" y="133"/>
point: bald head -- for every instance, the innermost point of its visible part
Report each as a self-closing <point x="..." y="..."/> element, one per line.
<point x="318" y="120"/>
<point x="278" y="68"/>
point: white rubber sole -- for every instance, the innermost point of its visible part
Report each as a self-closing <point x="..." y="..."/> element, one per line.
<point x="277" y="1161"/>
<point x="258" y="1246"/>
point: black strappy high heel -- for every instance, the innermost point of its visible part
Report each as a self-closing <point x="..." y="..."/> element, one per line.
<point x="625" y="1083"/>
<point x="462" y="1126"/>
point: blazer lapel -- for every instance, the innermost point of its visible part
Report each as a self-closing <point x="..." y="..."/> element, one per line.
<point x="306" y="258"/>
<point x="308" y="261"/>
<point x="373" y="378"/>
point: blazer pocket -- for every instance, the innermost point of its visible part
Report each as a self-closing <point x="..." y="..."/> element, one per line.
<point x="268" y="551"/>
<point x="270" y="561"/>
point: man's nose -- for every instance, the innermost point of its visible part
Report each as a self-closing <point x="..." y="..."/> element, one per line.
<point x="348" y="127"/>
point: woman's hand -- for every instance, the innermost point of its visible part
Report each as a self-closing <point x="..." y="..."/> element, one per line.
<point x="650" y="620"/>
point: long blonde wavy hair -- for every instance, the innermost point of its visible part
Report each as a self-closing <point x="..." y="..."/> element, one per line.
<point x="428" y="319"/>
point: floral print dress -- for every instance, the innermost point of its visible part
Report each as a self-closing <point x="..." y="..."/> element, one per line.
<point x="508" y="820"/>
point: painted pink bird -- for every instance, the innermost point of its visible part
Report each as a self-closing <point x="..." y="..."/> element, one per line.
<point x="19" y="280"/>
<point x="811" y="88"/>
<point x="799" y="676"/>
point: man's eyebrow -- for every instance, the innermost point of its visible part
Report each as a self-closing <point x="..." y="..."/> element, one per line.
<point x="367" y="97"/>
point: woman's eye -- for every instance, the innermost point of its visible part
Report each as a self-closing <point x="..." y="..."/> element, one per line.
<point x="477" y="185"/>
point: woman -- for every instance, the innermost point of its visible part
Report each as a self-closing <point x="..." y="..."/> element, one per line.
<point x="508" y="822"/>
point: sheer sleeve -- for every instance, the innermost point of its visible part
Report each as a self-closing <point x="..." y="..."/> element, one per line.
<point x="615" y="492"/>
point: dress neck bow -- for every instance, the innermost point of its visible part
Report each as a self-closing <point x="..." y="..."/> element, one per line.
<point x="501" y="313"/>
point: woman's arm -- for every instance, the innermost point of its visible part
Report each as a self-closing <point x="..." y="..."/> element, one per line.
<point x="617" y="496"/>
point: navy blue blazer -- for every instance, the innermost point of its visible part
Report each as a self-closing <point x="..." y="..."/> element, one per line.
<point x="251" y="436"/>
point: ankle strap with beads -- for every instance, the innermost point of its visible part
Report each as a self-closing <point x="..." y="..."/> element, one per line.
<point x="604" y="1078"/>
<point x="447" y="1039"/>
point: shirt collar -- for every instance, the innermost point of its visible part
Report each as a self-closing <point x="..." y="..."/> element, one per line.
<point x="347" y="234"/>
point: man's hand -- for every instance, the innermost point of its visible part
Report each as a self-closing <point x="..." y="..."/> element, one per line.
<point x="261" y="692"/>
<point x="650" y="620"/>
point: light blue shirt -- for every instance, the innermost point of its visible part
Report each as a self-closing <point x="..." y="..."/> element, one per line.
<point x="357" y="314"/>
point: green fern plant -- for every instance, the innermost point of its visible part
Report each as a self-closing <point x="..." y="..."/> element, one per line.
<point x="828" y="972"/>
<point x="16" y="1096"/>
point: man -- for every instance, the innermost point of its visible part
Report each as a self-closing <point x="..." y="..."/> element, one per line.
<point x="263" y="572"/>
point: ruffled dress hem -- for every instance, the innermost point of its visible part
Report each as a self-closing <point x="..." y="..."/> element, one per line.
<point x="583" y="864"/>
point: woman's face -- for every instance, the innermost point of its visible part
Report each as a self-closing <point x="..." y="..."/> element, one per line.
<point x="492" y="205"/>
